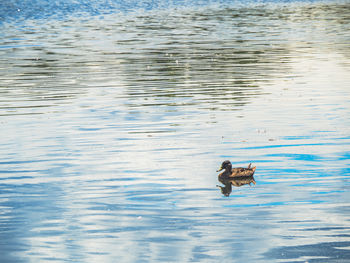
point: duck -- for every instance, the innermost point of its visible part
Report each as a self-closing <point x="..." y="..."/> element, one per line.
<point x="235" y="173"/>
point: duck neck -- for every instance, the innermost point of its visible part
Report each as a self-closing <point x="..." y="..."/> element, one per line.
<point x="228" y="169"/>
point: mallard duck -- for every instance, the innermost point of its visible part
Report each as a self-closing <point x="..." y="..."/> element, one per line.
<point x="235" y="172"/>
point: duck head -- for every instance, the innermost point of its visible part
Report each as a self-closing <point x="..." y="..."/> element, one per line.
<point x="225" y="165"/>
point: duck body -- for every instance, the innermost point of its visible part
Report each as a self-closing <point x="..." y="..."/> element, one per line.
<point x="235" y="173"/>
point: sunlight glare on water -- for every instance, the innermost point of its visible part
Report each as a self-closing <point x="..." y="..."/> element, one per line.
<point x="114" y="123"/>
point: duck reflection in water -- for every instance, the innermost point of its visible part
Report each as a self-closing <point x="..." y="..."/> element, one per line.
<point x="235" y="176"/>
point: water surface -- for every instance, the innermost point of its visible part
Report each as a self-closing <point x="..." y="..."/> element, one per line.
<point x="113" y="125"/>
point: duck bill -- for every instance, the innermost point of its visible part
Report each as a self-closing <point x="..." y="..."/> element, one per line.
<point x="220" y="169"/>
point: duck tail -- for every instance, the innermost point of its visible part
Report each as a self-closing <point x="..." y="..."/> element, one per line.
<point x="250" y="165"/>
<point x="254" y="168"/>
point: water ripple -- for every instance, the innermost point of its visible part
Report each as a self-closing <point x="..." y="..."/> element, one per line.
<point x="113" y="124"/>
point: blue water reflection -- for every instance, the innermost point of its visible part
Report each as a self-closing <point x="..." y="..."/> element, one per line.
<point x="115" y="116"/>
<point x="59" y="9"/>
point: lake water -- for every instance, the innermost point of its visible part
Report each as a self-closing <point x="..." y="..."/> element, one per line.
<point x="114" y="122"/>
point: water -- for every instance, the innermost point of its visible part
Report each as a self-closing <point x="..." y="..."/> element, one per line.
<point x="114" y="123"/>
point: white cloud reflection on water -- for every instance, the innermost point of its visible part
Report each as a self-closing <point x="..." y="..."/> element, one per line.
<point x="123" y="165"/>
